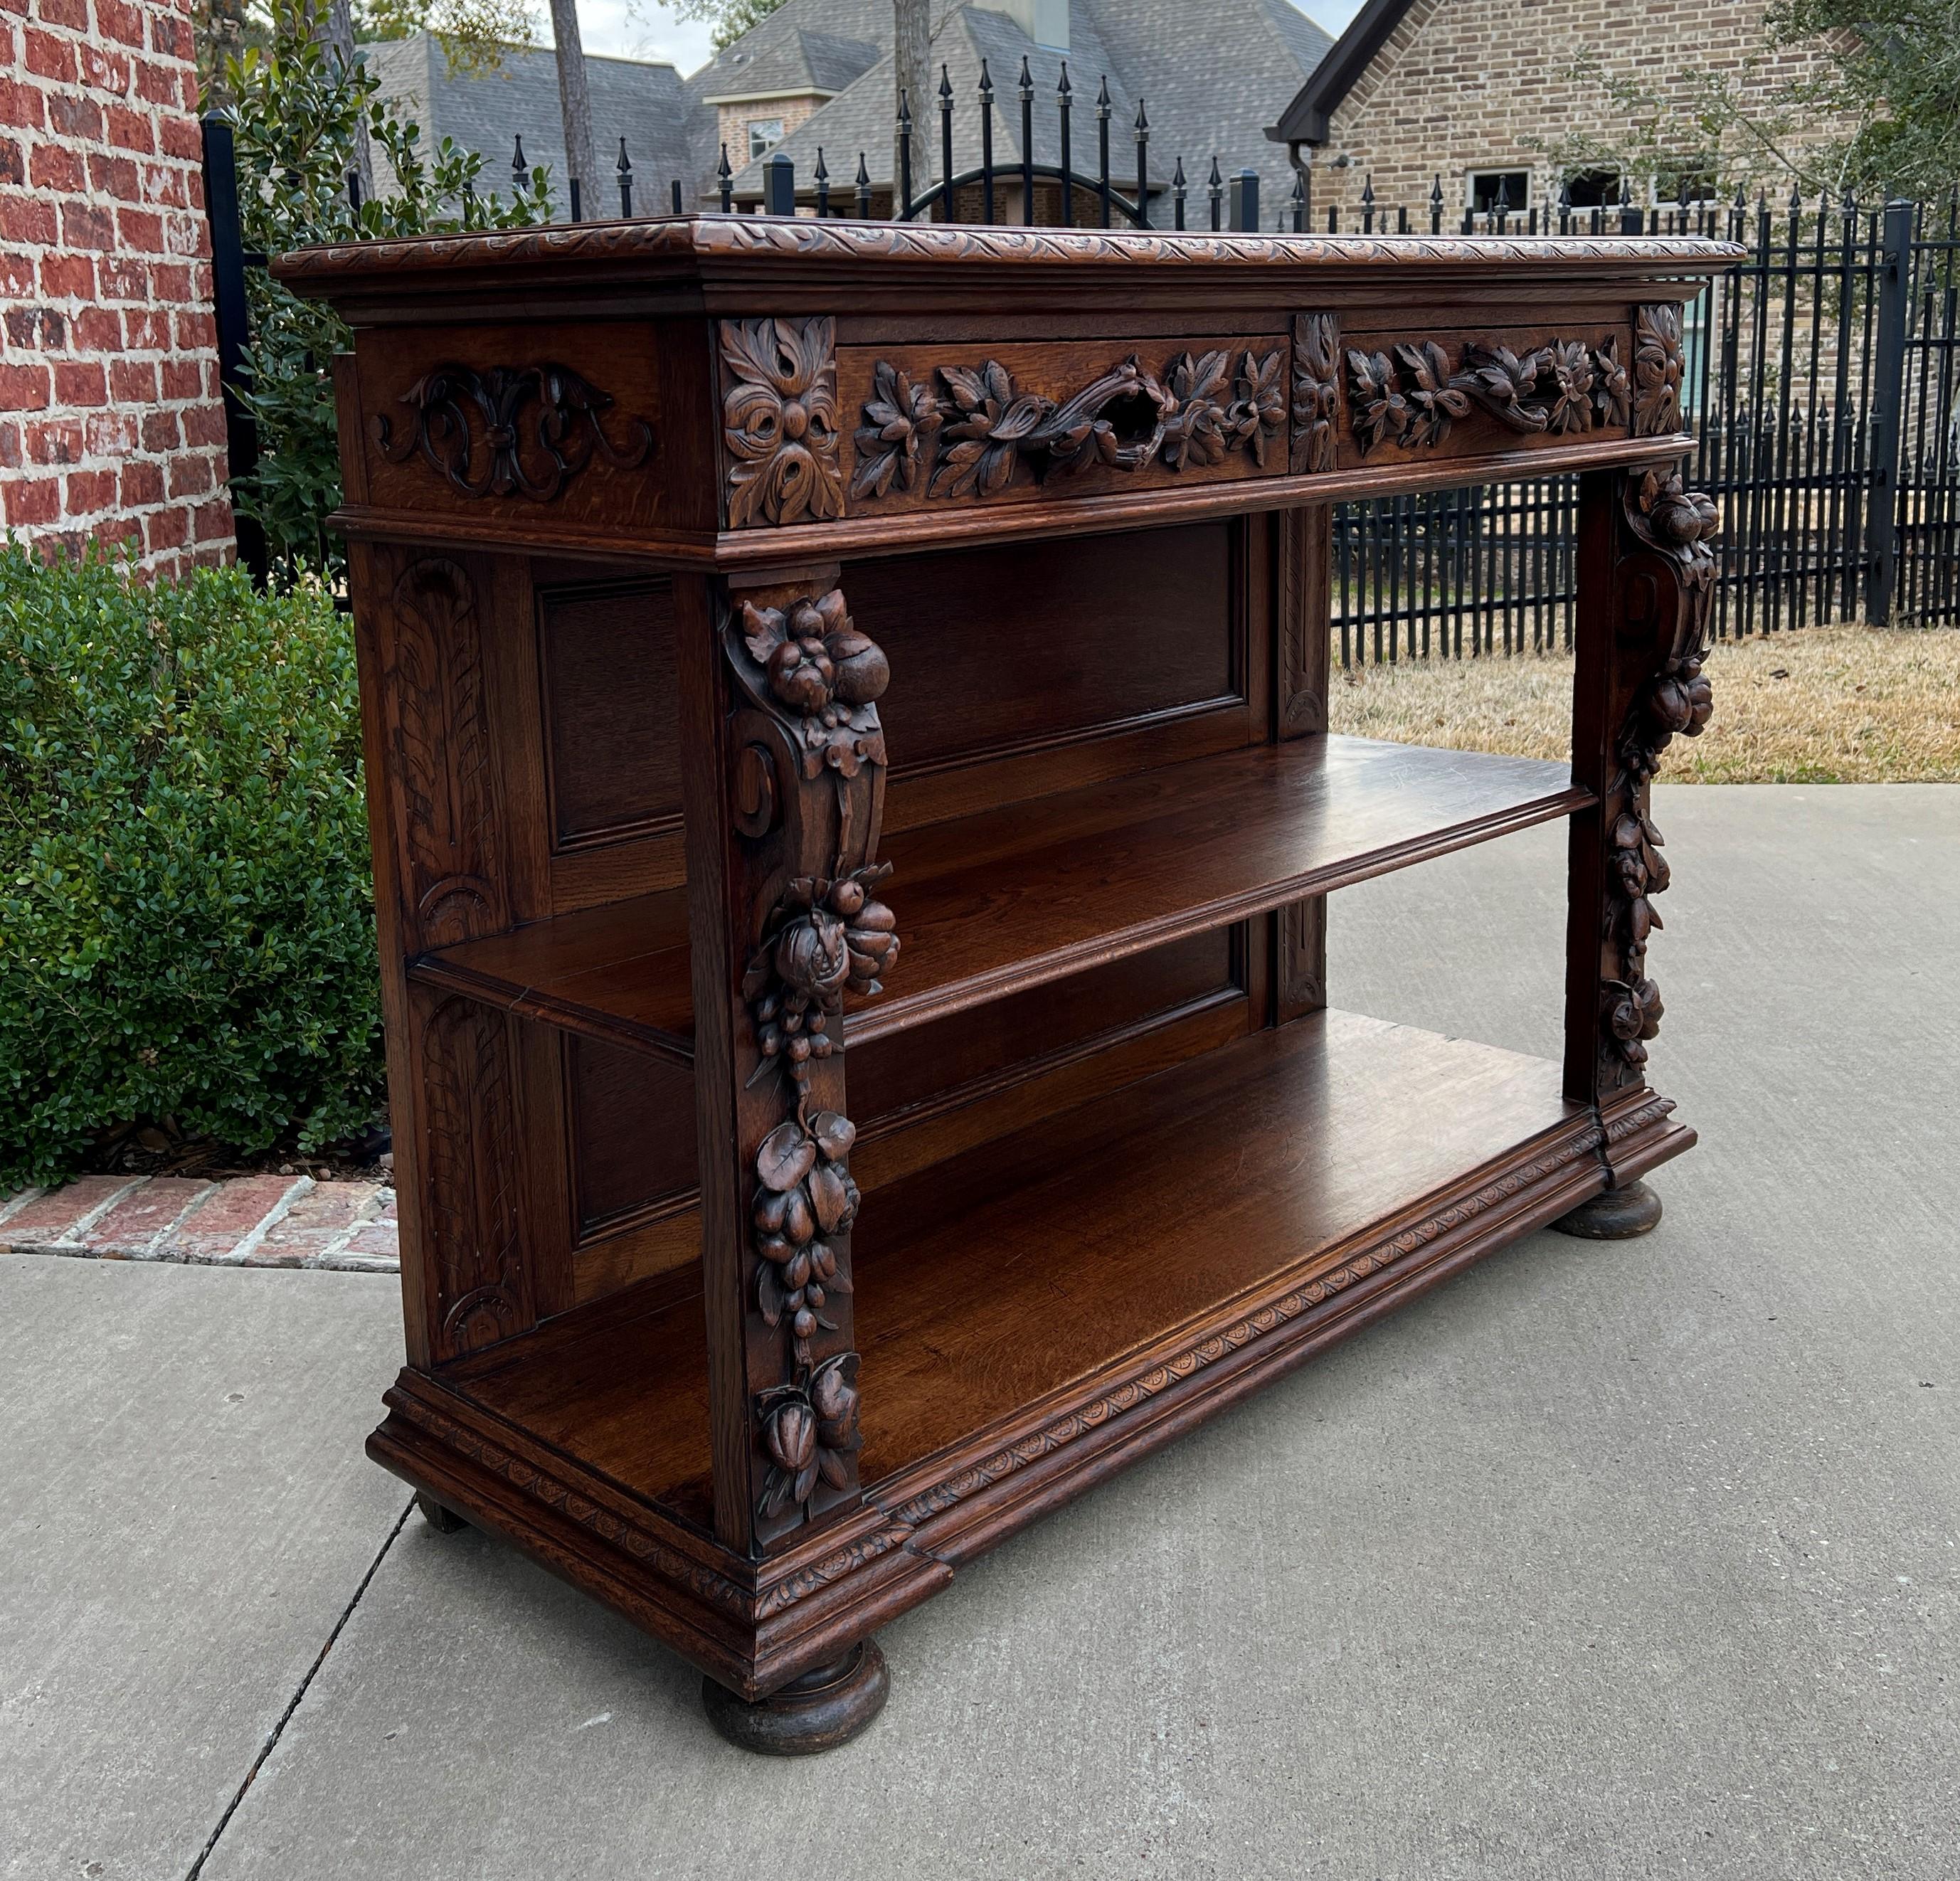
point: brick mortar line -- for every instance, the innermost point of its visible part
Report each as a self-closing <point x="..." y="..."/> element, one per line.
<point x="149" y="1250"/>
<point x="250" y="1243"/>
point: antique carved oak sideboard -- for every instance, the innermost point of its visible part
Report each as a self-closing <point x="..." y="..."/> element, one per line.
<point x="853" y="813"/>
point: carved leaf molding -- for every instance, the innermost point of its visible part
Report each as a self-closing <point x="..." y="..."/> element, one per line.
<point x="779" y="421"/>
<point x="1677" y="702"/>
<point x="1316" y="390"/>
<point x="439" y="750"/>
<point x="463" y="415"/>
<point x="1658" y="367"/>
<point x="971" y="431"/>
<point x="1413" y="394"/>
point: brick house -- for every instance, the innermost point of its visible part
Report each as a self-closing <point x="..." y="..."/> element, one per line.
<point x="1472" y="91"/>
<point x="111" y="425"/>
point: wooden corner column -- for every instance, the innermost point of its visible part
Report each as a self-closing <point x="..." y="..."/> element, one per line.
<point x="1645" y="575"/>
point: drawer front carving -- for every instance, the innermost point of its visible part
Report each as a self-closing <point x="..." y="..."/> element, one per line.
<point x="1405" y="395"/>
<point x="513" y="421"/>
<point x="933" y="426"/>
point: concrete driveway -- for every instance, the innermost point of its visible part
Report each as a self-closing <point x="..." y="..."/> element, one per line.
<point x="1604" y="1560"/>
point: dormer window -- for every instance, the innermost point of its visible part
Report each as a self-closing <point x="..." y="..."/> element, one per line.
<point x="765" y="134"/>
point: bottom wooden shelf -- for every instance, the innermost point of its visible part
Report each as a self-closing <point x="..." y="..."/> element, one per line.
<point x="1032" y="1315"/>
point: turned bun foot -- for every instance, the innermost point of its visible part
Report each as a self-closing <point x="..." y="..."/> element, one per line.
<point x="443" y="1521"/>
<point x="819" y="1711"/>
<point x="1618" y="1215"/>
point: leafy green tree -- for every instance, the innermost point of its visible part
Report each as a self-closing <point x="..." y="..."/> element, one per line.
<point x="1893" y="74"/>
<point x="729" y="19"/>
<point x="295" y="114"/>
<point x="1876" y="109"/>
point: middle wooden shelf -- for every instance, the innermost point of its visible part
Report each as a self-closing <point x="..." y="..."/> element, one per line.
<point x="1008" y="899"/>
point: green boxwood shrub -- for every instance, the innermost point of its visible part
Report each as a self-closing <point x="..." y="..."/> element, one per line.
<point x="186" y="926"/>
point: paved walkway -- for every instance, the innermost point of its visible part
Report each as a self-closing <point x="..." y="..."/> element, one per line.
<point x="1602" y="1560"/>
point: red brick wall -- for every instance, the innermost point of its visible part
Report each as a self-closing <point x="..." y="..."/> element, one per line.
<point x="110" y="423"/>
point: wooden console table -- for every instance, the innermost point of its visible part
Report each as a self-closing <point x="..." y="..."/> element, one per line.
<point x="776" y="636"/>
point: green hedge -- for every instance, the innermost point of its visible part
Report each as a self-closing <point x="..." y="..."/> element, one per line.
<point x="187" y="929"/>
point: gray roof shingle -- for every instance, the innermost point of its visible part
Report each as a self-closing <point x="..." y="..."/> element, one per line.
<point x="668" y="133"/>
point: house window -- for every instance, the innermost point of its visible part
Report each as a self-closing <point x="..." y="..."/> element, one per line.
<point x="765" y="134"/>
<point x="1494" y="189"/>
<point x="1691" y="181"/>
<point x="1593" y="189"/>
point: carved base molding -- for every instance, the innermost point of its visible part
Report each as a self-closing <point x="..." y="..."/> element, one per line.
<point x="754" y="1627"/>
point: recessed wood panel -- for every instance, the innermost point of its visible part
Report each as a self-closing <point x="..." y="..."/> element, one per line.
<point x="633" y="1134"/>
<point x="892" y="1076"/>
<point x="611" y="725"/>
<point x="990" y="649"/>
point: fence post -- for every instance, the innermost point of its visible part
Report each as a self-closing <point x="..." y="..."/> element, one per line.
<point x="1888" y="409"/>
<point x="1245" y="202"/>
<point x="228" y="311"/>
<point x="779" y="186"/>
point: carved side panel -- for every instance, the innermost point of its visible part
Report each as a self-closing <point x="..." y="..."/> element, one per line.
<point x="1316" y="390"/>
<point x="472" y="1159"/>
<point x="441" y="759"/>
<point x="808" y="786"/>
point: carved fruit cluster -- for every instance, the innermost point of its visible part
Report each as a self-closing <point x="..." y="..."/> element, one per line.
<point x="809" y="1433"/>
<point x="804" y="1198"/>
<point x="824" y="939"/>
<point x="1634" y="1008"/>
<point x="826" y="673"/>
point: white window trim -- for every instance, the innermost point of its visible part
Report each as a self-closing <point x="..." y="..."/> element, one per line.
<point x="754" y="125"/>
<point x="1497" y="170"/>
<point x="1656" y="200"/>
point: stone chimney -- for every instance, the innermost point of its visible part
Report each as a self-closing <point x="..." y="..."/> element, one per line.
<point x="1045" y="21"/>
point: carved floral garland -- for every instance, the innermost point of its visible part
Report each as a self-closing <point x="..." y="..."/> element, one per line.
<point x="1678" y="701"/>
<point x="972" y="437"/>
<point x="1413" y="398"/>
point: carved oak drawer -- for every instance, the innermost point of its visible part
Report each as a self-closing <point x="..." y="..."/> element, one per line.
<point x="945" y="425"/>
<point x="506" y="421"/>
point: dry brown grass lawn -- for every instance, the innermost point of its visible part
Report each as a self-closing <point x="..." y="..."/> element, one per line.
<point x="1820" y="705"/>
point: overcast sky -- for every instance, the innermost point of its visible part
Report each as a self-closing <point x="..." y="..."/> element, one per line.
<point x="641" y="28"/>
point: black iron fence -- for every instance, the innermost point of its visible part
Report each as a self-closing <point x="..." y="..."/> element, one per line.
<point x="1820" y="382"/>
<point x="1820" y="372"/>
